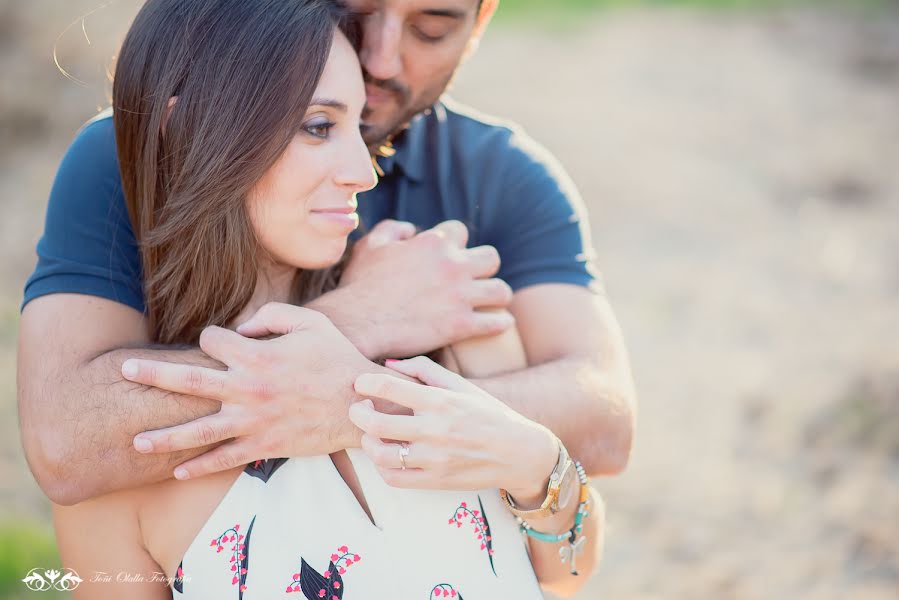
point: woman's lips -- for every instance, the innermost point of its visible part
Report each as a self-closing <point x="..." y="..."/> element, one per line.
<point x="345" y="217"/>
<point x="347" y="209"/>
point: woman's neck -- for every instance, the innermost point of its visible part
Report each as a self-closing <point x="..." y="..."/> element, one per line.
<point x="273" y="284"/>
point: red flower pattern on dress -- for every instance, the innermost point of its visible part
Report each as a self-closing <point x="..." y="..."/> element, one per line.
<point x="444" y="590"/>
<point x="178" y="582"/>
<point x="238" y="553"/>
<point x="477" y="518"/>
<point x="325" y="585"/>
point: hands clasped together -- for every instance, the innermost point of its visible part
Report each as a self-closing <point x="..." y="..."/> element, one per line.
<point x="299" y="394"/>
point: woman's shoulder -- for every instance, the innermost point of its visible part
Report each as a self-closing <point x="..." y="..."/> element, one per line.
<point x="171" y="513"/>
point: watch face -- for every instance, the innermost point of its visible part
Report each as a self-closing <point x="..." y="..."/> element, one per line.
<point x="569" y="486"/>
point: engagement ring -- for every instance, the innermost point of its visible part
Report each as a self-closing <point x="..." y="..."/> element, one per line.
<point x="404" y="452"/>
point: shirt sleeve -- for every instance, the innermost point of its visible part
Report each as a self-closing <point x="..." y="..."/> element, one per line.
<point x="536" y="219"/>
<point x="88" y="245"/>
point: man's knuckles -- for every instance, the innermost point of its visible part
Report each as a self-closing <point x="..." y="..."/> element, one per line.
<point x="256" y="388"/>
<point x="453" y="230"/>
<point x="206" y="434"/>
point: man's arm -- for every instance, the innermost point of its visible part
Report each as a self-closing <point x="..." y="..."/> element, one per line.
<point x="77" y="414"/>
<point x="579" y="382"/>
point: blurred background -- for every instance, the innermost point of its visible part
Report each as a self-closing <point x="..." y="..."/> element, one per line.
<point x="740" y="160"/>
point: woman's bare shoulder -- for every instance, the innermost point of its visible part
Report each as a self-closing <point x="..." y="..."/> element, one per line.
<point x="172" y="512"/>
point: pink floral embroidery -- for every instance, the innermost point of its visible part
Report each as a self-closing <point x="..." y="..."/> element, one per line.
<point x="477" y="518"/>
<point x="444" y="590"/>
<point x="178" y="582"/>
<point x="238" y="553"/>
<point x="325" y="585"/>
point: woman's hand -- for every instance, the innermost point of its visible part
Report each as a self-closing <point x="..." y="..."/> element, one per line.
<point x="459" y="437"/>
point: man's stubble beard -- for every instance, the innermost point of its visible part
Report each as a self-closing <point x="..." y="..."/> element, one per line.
<point x="375" y="136"/>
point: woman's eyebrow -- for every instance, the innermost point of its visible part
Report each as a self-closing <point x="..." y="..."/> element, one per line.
<point x="329" y="102"/>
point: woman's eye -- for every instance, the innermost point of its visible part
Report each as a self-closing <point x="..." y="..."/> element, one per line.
<point x="319" y="130"/>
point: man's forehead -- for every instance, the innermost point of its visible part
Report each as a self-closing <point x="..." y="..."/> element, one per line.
<point x="415" y="6"/>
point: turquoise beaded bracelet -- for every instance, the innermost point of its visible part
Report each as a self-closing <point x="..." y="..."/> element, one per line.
<point x="575" y="543"/>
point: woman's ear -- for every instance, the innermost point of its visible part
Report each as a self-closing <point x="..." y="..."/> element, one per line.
<point x="168" y="112"/>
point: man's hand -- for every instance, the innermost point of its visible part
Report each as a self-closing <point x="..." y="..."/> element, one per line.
<point x="282" y="397"/>
<point x="413" y="293"/>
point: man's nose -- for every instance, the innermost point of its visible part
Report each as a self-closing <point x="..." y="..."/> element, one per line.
<point x="381" y="39"/>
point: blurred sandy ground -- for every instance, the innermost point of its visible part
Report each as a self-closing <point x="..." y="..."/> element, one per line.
<point x="742" y="173"/>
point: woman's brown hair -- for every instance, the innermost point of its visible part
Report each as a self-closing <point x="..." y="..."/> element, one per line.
<point x="243" y="73"/>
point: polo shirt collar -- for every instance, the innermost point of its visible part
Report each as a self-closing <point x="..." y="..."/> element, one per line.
<point x="409" y="147"/>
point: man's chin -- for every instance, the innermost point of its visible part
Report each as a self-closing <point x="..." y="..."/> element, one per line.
<point x="376" y="134"/>
<point x="384" y="122"/>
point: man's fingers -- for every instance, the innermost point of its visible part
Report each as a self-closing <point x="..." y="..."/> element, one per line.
<point x="387" y="231"/>
<point x="490" y="322"/>
<point x="381" y="425"/>
<point x="490" y="293"/>
<point x="227" y="456"/>
<point x="194" y="434"/>
<point x="406" y="393"/>
<point x="173" y="377"/>
<point x="226" y="346"/>
<point x="454" y="231"/>
<point x="482" y="261"/>
<point x="428" y="372"/>
<point x="280" y="319"/>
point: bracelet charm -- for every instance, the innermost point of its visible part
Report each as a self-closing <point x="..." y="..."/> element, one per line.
<point x="567" y="553"/>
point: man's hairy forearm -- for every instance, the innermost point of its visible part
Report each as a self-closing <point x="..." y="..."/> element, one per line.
<point x="591" y="410"/>
<point x="106" y="412"/>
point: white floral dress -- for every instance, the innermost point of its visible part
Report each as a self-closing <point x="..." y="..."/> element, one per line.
<point x="292" y="528"/>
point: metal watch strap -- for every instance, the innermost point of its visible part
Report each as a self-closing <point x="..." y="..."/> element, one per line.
<point x="547" y="508"/>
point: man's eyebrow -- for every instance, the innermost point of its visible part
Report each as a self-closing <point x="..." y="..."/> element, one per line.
<point x="329" y="102"/>
<point x="452" y="13"/>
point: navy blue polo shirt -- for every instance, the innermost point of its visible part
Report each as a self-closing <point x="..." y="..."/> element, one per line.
<point x="450" y="163"/>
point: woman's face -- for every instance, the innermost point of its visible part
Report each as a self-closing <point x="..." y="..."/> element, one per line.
<point x="304" y="207"/>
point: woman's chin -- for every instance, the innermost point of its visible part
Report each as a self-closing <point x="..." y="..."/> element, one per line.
<point x="326" y="254"/>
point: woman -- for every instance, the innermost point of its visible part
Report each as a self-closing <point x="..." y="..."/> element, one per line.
<point x="237" y="127"/>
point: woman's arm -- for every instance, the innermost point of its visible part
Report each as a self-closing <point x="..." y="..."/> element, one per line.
<point x="460" y="437"/>
<point x="494" y="355"/>
<point x="101" y="540"/>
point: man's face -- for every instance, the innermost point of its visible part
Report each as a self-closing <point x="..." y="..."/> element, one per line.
<point x="410" y="50"/>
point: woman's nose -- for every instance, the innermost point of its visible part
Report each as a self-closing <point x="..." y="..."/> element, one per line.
<point x="357" y="172"/>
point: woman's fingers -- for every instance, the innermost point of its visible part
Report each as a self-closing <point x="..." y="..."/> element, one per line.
<point x="194" y="434"/>
<point x="381" y="425"/>
<point x="387" y="454"/>
<point x="406" y="393"/>
<point x="386" y="458"/>
<point x="173" y="377"/>
<point x="418" y="479"/>
<point x="430" y="373"/>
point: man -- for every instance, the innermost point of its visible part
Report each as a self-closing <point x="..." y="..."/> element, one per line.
<point x="403" y="294"/>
